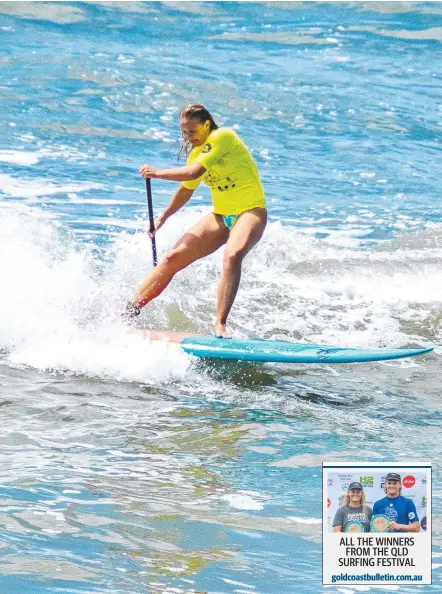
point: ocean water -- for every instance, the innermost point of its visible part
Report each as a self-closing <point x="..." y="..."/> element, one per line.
<point x="129" y="467"/>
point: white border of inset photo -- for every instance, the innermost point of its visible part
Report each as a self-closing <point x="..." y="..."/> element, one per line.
<point x="376" y="523"/>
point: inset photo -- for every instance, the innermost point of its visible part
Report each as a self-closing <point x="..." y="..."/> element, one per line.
<point x="377" y="517"/>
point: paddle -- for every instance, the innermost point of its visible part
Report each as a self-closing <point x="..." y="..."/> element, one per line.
<point x="151" y="221"/>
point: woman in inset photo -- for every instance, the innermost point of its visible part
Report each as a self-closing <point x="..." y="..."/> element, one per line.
<point x="354" y="515"/>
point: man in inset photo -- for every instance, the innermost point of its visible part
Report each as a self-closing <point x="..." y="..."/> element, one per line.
<point x="400" y="510"/>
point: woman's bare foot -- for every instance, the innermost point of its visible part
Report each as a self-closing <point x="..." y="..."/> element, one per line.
<point x="221" y="331"/>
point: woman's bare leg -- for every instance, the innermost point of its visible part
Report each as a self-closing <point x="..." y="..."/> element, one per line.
<point x="245" y="234"/>
<point x="202" y="239"/>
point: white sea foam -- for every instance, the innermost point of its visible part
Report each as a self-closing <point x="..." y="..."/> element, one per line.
<point x="60" y="313"/>
<point x="241" y="500"/>
<point x="19" y="157"/>
<point x="28" y="158"/>
<point x="305" y="520"/>
<point x="24" y="188"/>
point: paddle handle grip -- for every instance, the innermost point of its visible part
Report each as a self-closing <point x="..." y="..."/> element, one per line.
<point x="151" y="220"/>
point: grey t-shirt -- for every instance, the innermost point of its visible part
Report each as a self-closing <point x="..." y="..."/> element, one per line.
<point x="347" y="514"/>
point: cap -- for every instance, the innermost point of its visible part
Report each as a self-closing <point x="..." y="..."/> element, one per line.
<point x="355" y="485"/>
<point x="393" y="476"/>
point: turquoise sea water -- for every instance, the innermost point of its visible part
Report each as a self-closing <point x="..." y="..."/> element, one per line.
<point x="127" y="467"/>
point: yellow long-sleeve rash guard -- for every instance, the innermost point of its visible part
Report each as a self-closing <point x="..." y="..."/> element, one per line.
<point x="231" y="173"/>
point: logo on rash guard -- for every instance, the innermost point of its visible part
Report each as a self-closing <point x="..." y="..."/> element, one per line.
<point x="207" y="148"/>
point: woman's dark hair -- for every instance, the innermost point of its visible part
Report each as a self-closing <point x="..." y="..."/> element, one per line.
<point x="195" y="111"/>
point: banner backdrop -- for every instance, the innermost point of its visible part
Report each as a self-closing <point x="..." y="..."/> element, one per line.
<point x="414" y="486"/>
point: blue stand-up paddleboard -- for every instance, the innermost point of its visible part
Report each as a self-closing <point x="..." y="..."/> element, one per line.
<point x="279" y="351"/>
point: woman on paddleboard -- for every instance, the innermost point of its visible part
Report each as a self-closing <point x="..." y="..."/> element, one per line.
<point x="218" y="157"/>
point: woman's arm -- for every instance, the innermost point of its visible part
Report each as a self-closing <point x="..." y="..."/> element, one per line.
<point x="179" y="199"/>
<point x="338" y="520"/>
<point x="185" y="173"/>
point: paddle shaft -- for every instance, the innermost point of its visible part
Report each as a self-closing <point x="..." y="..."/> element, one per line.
<point x="151" y="220"/>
